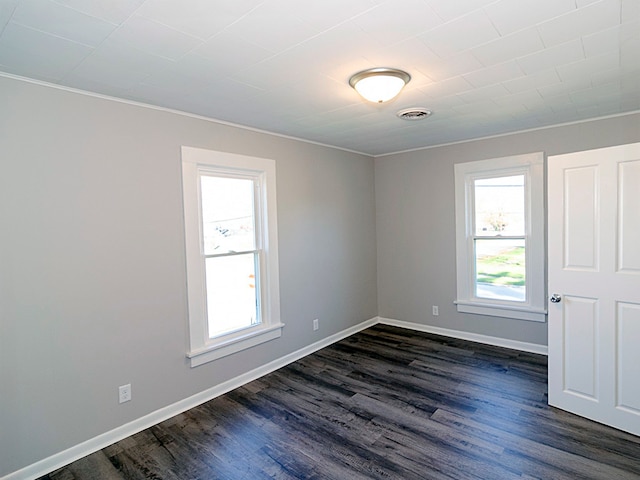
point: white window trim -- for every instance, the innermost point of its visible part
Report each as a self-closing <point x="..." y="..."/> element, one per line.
<point x="203" y="349"/>
<point x="532" y="165"/>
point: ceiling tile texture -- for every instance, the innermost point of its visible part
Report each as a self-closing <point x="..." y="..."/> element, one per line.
<point x="484" y="67"/>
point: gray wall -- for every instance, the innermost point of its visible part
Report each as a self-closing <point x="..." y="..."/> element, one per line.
<point x="415" y="221"/>
<point x="92" y="264"/>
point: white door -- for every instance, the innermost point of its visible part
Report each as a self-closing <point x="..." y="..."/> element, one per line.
<point x="594" y="272"/>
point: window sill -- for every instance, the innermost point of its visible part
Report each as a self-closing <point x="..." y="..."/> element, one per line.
<point x="496" y="310"/>
<point x="236" y="343"/>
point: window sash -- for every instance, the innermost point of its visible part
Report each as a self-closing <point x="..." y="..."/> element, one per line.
<point x="511" y="290"/>
<point x="230" y="254"/>
<point x="232" y="322"/>
<point x="472" y="235"/>
<point x="474" y="181"/>
<point x="213" y="334"/>
<point x="257" y="180"/>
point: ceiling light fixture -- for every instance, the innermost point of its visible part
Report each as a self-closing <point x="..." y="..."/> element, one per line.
<point x="379" y="84"/>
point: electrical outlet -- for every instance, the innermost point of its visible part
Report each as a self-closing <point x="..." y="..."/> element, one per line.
<point x="435" y="311"/>
<point x="316" y="325"/>
<point x="124" y="393"/>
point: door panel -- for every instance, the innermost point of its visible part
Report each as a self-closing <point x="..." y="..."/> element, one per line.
<point x="581" y="218"/>
<point x="629" y="217"/>
<point x="580" y="319"/>
<point x="628" y="333"/>
<point x="594" y="267"/>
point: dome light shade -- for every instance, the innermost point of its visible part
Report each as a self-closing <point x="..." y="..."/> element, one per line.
<point x="379" y="84"/>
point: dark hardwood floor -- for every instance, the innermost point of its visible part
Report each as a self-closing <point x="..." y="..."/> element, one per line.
<point x="385" y="403"/>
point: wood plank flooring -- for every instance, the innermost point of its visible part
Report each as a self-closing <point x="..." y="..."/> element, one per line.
<point x="386" y="403"/>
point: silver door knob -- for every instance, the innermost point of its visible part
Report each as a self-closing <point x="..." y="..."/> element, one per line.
<point x="555" y="298"/>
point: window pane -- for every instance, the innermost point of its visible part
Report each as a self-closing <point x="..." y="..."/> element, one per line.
<point x="231" y="293"/>
<point x="500" y="269"/>
<point x="227" y="214"/>
<point x="499" y="206"/>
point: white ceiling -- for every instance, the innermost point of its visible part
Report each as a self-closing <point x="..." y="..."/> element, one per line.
<point x="484" y="67"/>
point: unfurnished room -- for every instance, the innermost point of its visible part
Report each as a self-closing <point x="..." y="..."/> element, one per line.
<point x="356" y="239"/>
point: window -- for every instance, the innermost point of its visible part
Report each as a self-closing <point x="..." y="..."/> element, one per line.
<point x="500" y="237"/>
<point x="232" y="252"/>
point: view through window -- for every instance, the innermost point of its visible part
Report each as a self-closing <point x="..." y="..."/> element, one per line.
<point x="499" y="238"/>
<point x="231" y="254"/>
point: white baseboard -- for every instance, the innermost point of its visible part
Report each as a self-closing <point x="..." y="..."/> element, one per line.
<point x="92" y="445"/>
<point x="472" y="337"/>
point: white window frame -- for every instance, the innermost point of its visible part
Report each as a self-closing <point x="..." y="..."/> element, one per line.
<point x="532" y="167"/>
<point x="195" y="162"/>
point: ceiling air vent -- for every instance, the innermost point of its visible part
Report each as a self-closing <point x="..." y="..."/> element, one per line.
<point x="415" y="113"/>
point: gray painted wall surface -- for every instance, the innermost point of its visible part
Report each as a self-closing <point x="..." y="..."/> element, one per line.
<point x="92" y="264"/>
<point x="415" y="222"/>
